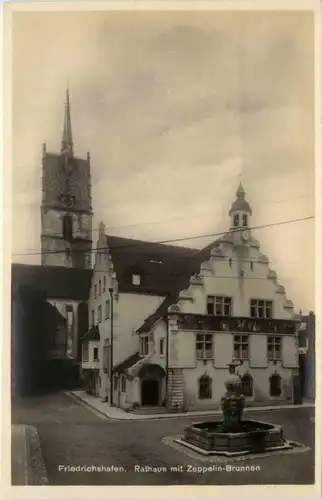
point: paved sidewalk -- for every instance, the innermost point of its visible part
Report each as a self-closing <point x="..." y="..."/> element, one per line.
<point x="27" y="466"/>
<point x="103" y="408"/>
<point x="19" y="459"/>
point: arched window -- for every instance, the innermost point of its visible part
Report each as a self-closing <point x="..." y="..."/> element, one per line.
<point x="247" y="385"/>
<point x="245" y="220"/>
<point x="205" y="391"/>
<point x="236" y="220"/>
<point x="68" y="227"/>
<point x="275" y="385"/>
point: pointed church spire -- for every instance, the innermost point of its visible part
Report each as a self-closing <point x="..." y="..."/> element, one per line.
<point x="67" y="139"/>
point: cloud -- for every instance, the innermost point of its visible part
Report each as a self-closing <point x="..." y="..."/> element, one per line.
<point x="173" y="106"/>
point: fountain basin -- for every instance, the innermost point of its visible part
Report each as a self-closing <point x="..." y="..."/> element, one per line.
<point x="252" y="436"/>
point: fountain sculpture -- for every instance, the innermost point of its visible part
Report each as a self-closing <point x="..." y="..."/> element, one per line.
<point x="233" y="435"/>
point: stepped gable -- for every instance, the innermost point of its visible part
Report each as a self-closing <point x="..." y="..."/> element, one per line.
<point x="193" y="267"/>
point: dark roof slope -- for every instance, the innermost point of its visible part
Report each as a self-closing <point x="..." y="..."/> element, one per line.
<point x="204" y="253"/>
<point x="54" y="178"/>
<point x="92" y="334"/>
<point x="55" y="281"/>
<point x="127" y="363"/>
<point x="192" y="267"/>
<point x="172" y="297"/>
<point x="160" y="266"/>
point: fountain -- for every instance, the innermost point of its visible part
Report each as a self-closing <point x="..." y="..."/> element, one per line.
<point x="233" y="435"/>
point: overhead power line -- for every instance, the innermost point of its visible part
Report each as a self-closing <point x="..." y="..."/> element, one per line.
<point x="265" y="278"/>
<point x="176" y="240"/>
<point x="208" y="212"/>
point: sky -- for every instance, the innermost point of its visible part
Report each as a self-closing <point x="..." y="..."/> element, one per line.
<point x="175" y="108"/>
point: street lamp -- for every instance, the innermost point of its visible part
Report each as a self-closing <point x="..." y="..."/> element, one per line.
<point x="111" y="291"/>
<point x="113" y="295"/>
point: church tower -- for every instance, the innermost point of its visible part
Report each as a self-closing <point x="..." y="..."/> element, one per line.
<point x="66" y="210"/>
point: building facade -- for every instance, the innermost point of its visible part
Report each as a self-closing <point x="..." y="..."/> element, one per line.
<point x="49" y="316"/>
<point x="130" y="280"/>
<point x="307" y="356"/>
<point x="62" y="279"/>
<point x="226" y="306"/>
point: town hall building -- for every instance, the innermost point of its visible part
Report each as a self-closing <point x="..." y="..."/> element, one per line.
<point x="180" y="316"/>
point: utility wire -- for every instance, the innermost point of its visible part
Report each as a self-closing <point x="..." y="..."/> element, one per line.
<point x="265" y="278"/>
<point x="176" y="240"/>
<point x="208" y="212"/>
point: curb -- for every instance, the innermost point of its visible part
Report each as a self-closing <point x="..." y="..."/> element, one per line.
<point x="218" y="412"/>
<point x="37" y="474"/>
<point x="194" y="453"/>
<point x="90" y="407"/>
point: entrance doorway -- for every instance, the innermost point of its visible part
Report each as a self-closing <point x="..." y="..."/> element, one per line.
<point x="150" y="392"/>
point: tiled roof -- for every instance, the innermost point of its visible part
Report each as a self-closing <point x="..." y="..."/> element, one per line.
<point x="55" y="281"/>
<point x="127" y="363"/>
<point x="160" y="266"/>
<point x="192" y="267"/>
<point x="54" y="180"/>
<point x="172" y="297"/>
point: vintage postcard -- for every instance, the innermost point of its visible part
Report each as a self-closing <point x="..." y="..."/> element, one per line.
<point x="162" y="286"/>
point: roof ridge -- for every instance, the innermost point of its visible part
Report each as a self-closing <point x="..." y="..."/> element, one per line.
<point x="157" y="243"/>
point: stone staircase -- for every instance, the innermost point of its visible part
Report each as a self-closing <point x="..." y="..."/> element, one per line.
<point x="149" y="410"/>
<point x="176" y="389"/>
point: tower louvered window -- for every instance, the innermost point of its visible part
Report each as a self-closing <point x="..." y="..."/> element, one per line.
<point x="68" y="228"/>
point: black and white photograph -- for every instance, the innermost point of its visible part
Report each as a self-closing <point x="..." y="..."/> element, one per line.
<point x="163" y="303"/>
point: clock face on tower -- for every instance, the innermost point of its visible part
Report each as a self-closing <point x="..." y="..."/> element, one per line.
<point x="245" y="235"/>
<point x="67" y="200"/>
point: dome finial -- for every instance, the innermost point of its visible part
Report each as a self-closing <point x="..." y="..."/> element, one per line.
<point x="240" y="193"/>
<point x="240" y="204"/>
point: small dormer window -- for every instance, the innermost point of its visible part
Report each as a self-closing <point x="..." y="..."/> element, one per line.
<point x="236" y="220"/>
<point x="136" y="279"/>
<point x="245" y="220"/>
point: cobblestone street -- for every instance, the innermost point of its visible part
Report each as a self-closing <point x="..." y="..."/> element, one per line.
<point x="71" y="435"/>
